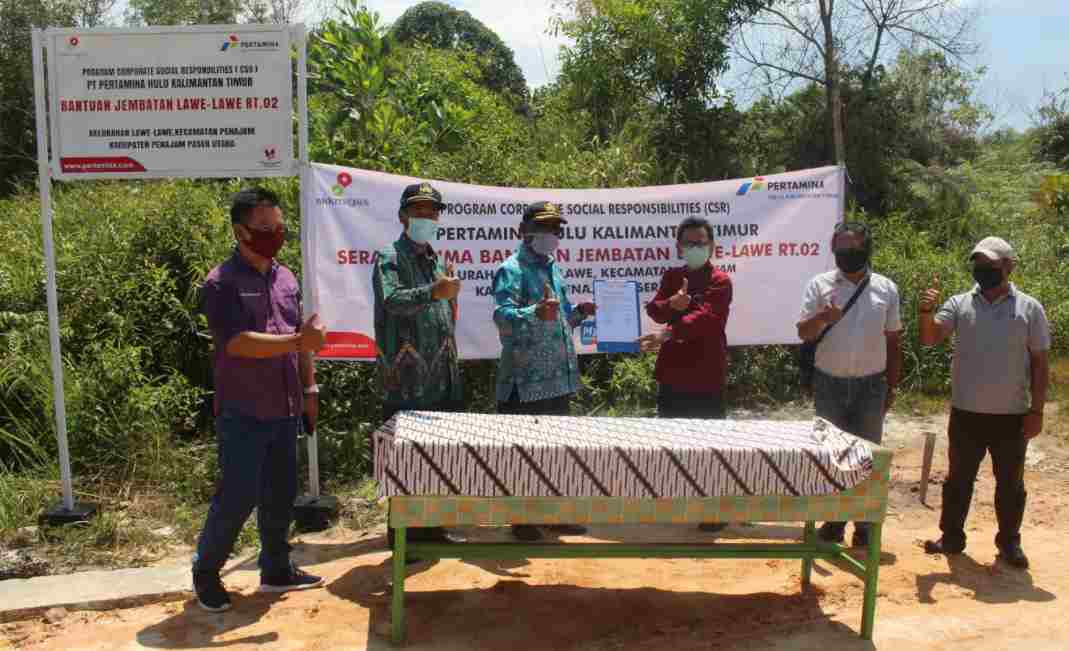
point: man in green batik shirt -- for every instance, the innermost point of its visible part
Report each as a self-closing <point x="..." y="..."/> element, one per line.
<point x="415" y="323"/>
<point x="416" y="313"/>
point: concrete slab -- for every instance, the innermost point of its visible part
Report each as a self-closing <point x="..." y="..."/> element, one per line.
<point x="22" y="599"/>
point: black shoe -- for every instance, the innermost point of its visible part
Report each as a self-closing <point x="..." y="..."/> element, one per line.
<point x="860" y="538"/>
<point x="211" y="595"/>
<point x="832" y="532"/>
<point x="1014" y="555"/>
<point x="567" y="529"/>
<point x="941" y="547"/>
<point x="448" y="537"/>
<point x="526" y="532"/>
<point x="292" y="579"/>
<point x="426" y="535"/>
<point x="712" y="527"/>
<point x="433" y="535"/>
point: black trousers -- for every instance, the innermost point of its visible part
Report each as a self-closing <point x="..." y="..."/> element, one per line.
<point x="673" y="403"/>
<point x="559" y="406"/>
<point x="971" y="436"/>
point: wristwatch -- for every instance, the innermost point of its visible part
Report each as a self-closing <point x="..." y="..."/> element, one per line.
<point x="313" y="388"/>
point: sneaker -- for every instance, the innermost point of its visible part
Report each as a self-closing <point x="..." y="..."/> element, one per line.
<point x="942" y="547"/>
<point x="293" y="579"/>
<point x="1014" y="555"/>
<point x="568" y="529"/>
<point x="712" y="527"/>
<point x="211" y="595"/>
<point x="526" y="532"/>
<point x="832" y="532"/>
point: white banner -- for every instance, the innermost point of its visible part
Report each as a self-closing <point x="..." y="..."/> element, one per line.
<point x="171" y="101"/>
<point x="772" y="234"/>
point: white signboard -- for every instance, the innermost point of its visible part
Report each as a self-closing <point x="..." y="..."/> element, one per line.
<point x="171" y="101"/>
<point x="772" y="234"/>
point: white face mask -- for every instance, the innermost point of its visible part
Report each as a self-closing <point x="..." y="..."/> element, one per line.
<point x="545" y="243"/>
<point x="422" y="231"/>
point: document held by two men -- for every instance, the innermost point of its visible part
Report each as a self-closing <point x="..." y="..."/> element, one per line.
<point x="618" y="320"/>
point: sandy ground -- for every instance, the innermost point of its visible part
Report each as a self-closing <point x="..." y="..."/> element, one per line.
<point x="924" y="602"/>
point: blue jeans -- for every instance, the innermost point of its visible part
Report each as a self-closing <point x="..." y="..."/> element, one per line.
<point x="854" y="405"/>
<point x="258" y="468"/>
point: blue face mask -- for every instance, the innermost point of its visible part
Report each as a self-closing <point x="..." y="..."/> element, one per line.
<point x="695" y="256"/>
<point x="422" y="231"/>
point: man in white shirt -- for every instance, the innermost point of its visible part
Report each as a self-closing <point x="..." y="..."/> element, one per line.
<point x="859" y="359"/>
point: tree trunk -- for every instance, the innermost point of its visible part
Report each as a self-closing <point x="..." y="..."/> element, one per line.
<point x="831" y="73"/>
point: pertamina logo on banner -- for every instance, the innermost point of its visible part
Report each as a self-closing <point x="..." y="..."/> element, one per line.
<point x="784" y="189"/>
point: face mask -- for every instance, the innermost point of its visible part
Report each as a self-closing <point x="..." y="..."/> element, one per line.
<point x="423" y="231"/>
<point x="545" y="243"/>
<point x="696" y="256"/>
<point x="987" y="277"/>
<point x="266" y="244"/>
<point x="851" y="261"/>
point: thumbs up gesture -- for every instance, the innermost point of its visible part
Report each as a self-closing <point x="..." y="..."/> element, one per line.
<point x="446" y="287"/>
<point x="930" y="296"/>
<point x="680" y="301"/>
<point x="313" y="334"/>
<point x="548" y="308"/>
<point x="831" y="312"/>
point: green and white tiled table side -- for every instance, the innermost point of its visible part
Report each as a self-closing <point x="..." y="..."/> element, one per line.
<point x="865" y="502"/>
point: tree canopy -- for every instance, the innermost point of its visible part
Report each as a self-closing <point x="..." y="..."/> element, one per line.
<point x="444" y="27"/>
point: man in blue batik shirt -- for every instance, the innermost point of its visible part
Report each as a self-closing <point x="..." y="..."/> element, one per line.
<point x="538" y="372"/>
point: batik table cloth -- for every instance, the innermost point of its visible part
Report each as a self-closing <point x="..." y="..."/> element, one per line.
<point x="441" y="469"/>
<point x="483" y="455"/>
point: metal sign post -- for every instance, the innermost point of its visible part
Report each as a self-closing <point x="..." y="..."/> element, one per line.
<point x="68" y="510"/>
<point x="312" y="511"/>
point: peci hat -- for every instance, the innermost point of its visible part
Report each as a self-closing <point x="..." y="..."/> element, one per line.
<point x="421" y="192"/>
<point x="541" y="212"/>
<point x="994" y="249"/>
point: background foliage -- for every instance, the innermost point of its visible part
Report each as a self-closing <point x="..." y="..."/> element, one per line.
<point x="438" y="95"/>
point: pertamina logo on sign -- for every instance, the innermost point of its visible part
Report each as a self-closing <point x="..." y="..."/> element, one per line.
<point x="233" y="42"/>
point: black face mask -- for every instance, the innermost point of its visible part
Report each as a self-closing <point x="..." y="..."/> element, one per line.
<point x="851" y="261"/>
<point x="987" y="277"/>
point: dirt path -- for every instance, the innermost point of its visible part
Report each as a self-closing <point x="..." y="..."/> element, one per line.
<point x="925" y="602"/>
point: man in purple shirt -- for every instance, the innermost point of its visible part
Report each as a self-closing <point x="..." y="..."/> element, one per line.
<point x="264" y="381"/>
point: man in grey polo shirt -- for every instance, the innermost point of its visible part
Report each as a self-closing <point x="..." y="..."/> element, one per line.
<point x="858" y="361"/>
<point x="999" y="388"/>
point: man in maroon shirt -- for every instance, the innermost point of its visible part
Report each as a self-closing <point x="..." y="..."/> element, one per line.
<point x="264" y="381"/>
<point x="694" y="301"/>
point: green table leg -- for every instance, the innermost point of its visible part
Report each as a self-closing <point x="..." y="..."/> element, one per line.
<point x="807" y="562"/>
<point x="872" y="573"/>
<point x="398" y="630"/>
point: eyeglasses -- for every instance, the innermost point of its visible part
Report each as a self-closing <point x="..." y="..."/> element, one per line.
<point x="852" y="227"/>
